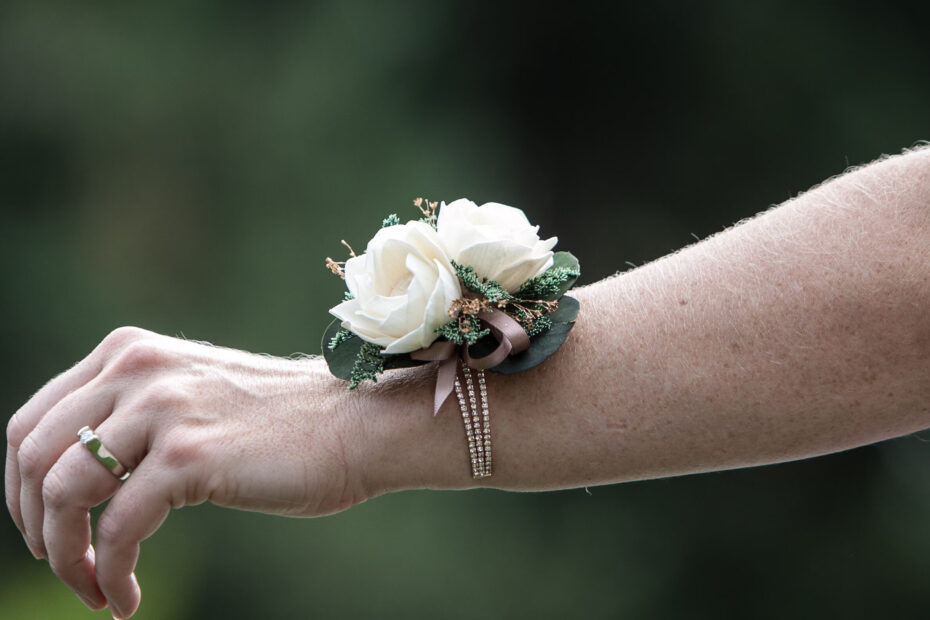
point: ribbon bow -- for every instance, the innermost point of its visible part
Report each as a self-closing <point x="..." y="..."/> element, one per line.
<point x="511" y="338"/>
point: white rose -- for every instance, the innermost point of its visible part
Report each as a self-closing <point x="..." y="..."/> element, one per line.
<point x="497" y="240"/>
<point x="403" y="286"/>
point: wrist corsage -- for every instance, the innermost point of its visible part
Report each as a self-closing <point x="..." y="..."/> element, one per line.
<point x="472" y="288"/>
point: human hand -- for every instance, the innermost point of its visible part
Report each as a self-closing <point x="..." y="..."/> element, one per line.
<point x="195" y="423"/>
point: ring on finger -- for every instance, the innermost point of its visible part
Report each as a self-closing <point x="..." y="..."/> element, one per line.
<point x="95" y="446"/>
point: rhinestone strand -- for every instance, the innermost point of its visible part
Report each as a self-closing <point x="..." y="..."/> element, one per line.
<point x="469" y="434"/>
<point x="486" y="422"/>
<point x="477" y="423"/>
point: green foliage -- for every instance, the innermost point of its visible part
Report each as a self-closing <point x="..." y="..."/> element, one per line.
<point x="489" y="289"/>
<point x="545" y="343"/>
<point x="467" y="331"/>
<point x="352" y="359"/>
<point x="555" y="281"/>
<point x="341" y="336"/>
<point x="343" y="356"/>
<point x="391" y="220"/>
<point x="548" y="286"/>
<point x="369" y="363"/>
<point x="567" y="310"/>
<point x="401" y="360"/>
<point x="537" y="326"/>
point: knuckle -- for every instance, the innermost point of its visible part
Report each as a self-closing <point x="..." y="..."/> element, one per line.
<point x="29" y="459"/>
<point x="15" y="430"/>
<point x="12" y="504"/>
<point x="64" y="568"/>
<point x="109" y="530"/>
<point x="163" y="396"/>
<point x="140" y="356"/>
<point x="121" y="336"/>
<point x="181" y="450"/>
<point x="54" y="491"/>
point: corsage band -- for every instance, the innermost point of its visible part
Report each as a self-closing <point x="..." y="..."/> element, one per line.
<point x="472" y="288"/>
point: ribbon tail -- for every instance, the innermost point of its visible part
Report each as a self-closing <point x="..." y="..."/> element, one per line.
<point x="445" y="381"/>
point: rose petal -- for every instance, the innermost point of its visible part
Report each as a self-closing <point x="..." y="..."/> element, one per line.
<point x="514" y="277"/>
<point x="348" y="313"/>
<point x="409" y="311"/>
<point x="502" y="262"/>
<point x="496" y="240"/>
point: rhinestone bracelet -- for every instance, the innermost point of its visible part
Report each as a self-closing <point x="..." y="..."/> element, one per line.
<point x="477" y="424"/>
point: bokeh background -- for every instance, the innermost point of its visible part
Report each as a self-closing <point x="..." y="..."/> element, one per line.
<point x="185" y="167"/>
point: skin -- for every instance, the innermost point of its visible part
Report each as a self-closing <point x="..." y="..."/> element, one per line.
<point x="800" y="332"/>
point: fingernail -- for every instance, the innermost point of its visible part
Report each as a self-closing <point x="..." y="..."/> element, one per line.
<point x="32" y="549"/>
<point x="87" y="602"/>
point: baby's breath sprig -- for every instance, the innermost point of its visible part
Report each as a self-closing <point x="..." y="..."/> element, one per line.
<point x="428" y="209"/>
<point x="338" y="266"/>
<point x="485" y="295"/>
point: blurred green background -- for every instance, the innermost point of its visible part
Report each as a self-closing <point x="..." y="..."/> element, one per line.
<point x="185" y="167"/>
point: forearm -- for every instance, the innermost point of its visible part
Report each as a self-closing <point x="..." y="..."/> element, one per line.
<point x="800" y="332"/>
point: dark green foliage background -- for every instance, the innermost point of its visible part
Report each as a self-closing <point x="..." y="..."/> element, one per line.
<point x="185" y="167"/>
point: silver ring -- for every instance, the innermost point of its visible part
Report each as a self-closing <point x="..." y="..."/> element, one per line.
<point x="92" y="442"/>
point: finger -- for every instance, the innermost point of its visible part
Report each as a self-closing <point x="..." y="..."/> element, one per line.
<point x="48" y="396"/>
<point x="24" y="420"/>
<point x="135" y="513"/>
<point x="89" y="405"/>
<point x="28" y="416"/>
<point x="75" y="483"/>
<point x="10" y="478"/>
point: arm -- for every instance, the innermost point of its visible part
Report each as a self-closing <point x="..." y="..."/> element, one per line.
<point x="803" y="331"/>
<point x="800" y="332"/>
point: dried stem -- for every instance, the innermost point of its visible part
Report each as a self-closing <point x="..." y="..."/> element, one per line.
<point x="351" y="251"/>
<point x="427" y="208"/>
<point x="336" y="267"/>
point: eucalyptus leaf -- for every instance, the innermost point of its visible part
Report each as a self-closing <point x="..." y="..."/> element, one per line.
<point x="401" y="360"/>
<point x="541" y="347"/>
<point x="342" y="358"/>
<point x="567" y="310"/>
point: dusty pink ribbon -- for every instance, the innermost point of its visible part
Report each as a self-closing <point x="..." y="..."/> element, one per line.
<point x="511" y="339"/>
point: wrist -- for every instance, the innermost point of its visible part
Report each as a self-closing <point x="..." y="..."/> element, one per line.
<point x="397" y="444"/>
